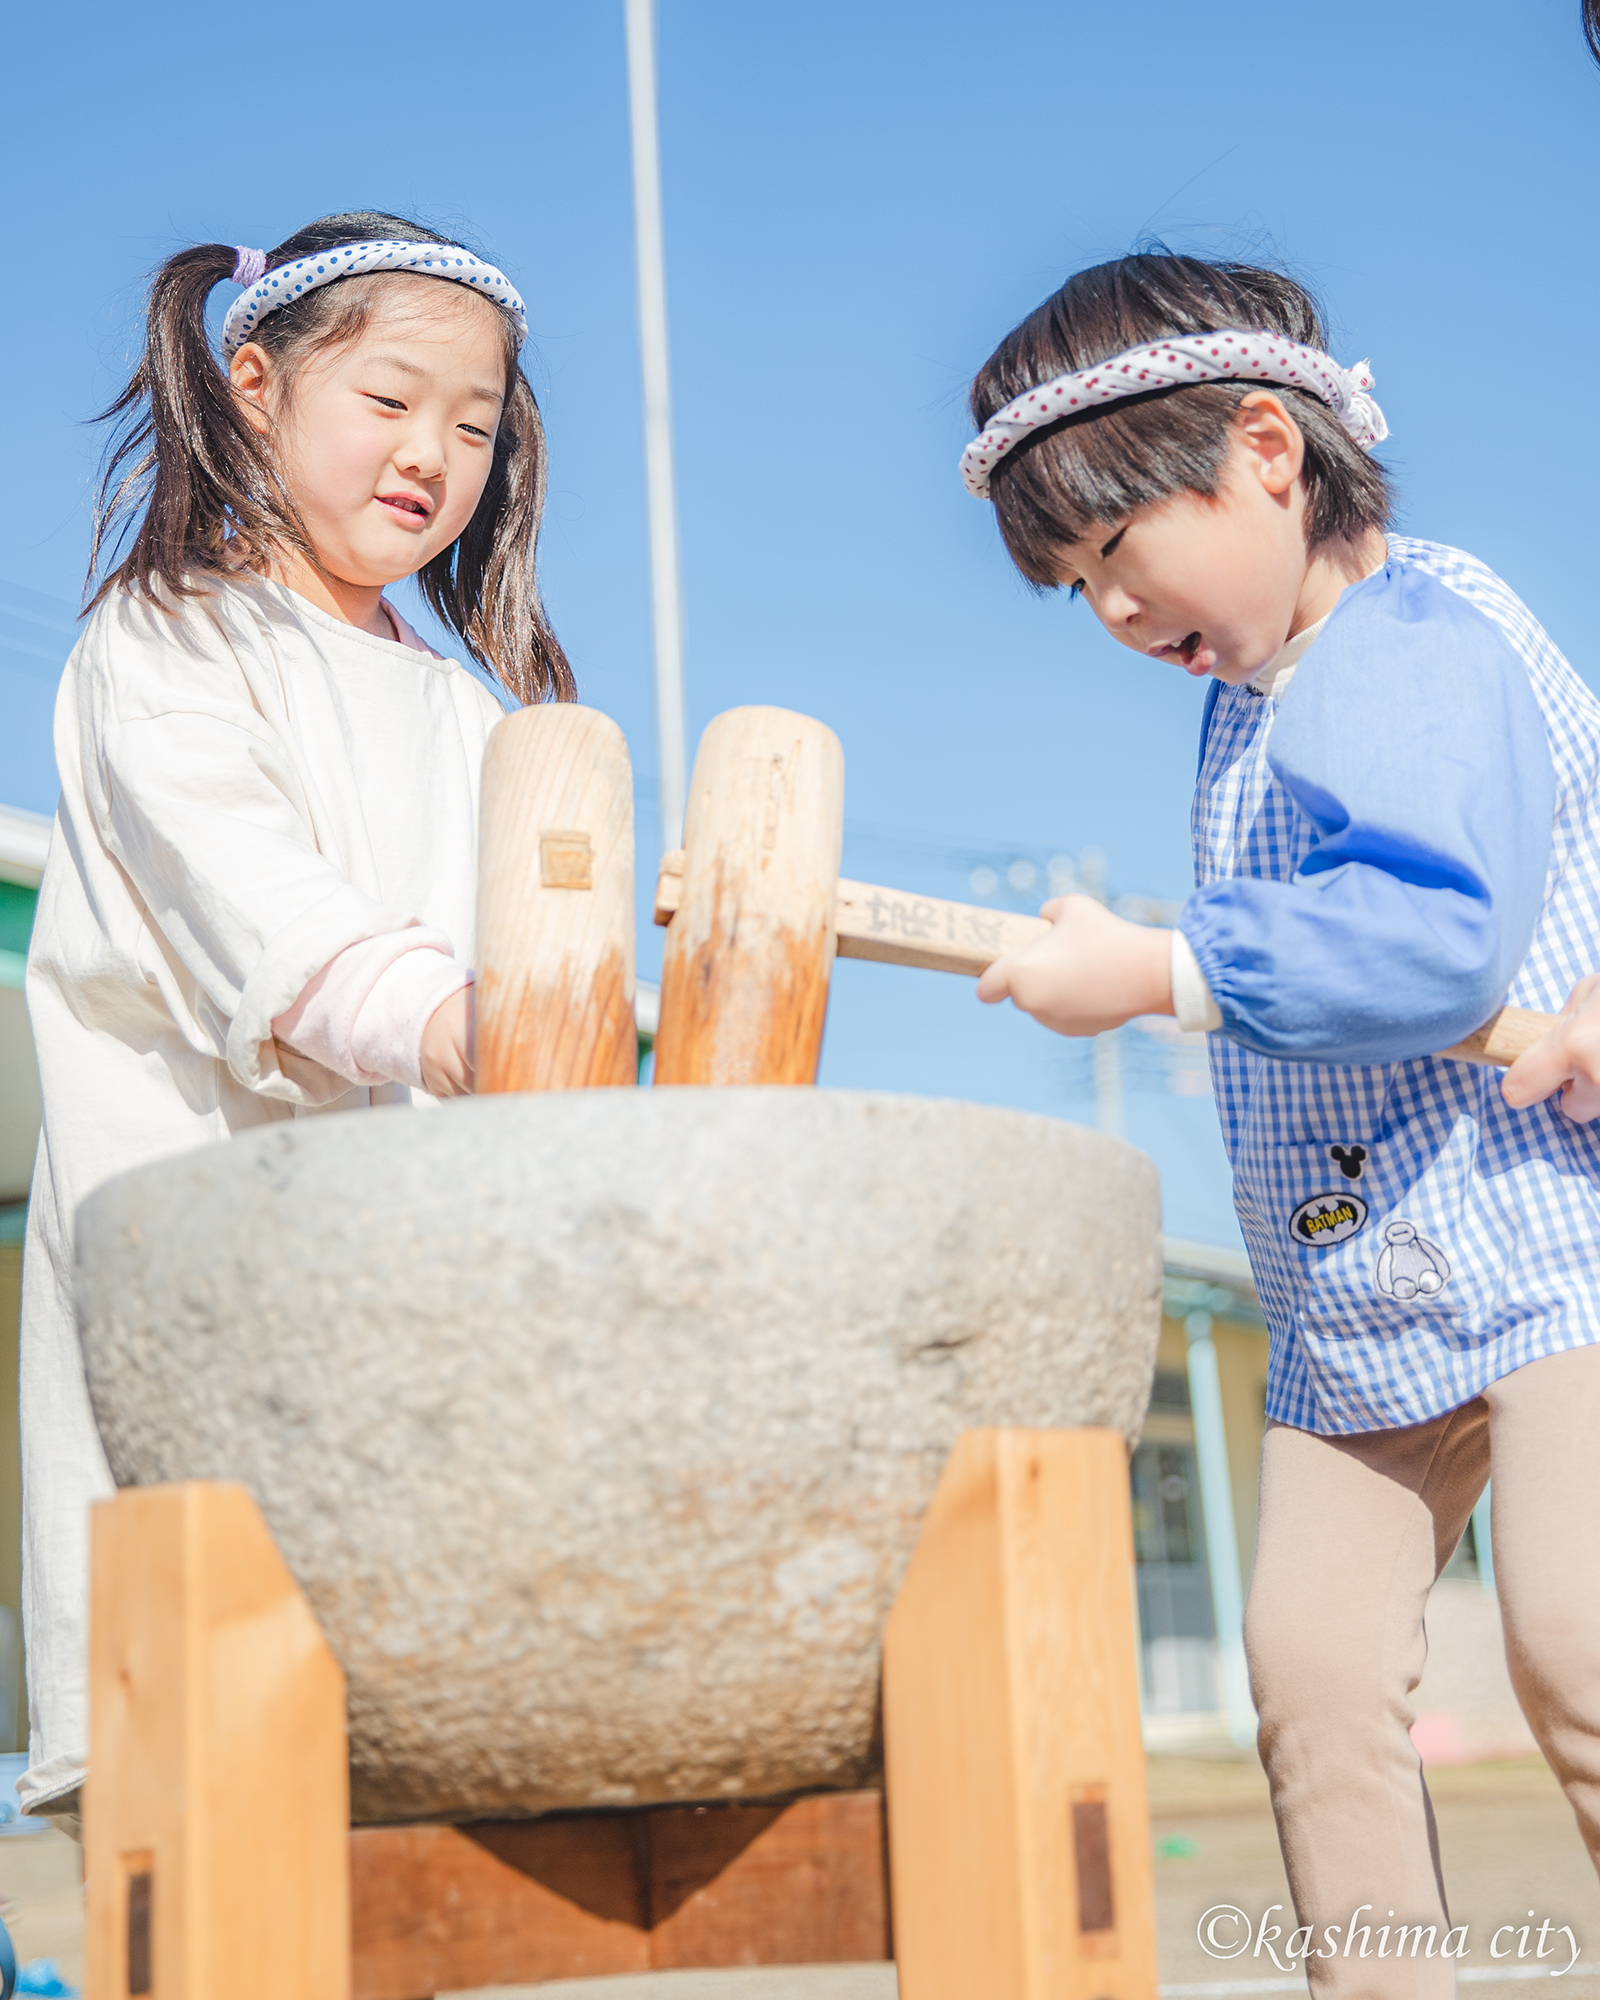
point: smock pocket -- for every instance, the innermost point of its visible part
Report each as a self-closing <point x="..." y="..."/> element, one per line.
<point x="1309" y="1195"/>
<point x="1357" y="1234"/>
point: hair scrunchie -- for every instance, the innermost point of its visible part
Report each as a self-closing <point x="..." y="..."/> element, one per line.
<point x="248" y="265"/>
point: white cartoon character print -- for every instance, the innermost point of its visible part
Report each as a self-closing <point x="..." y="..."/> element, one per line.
<point x="1410" y="1264"/>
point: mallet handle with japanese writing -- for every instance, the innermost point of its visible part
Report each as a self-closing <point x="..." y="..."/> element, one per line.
<point x="926" y="931"/>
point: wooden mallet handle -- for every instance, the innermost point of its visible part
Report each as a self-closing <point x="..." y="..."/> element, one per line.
<point x="1505" y="1036"/>
<point x="555" y="904"/>
<point x="899" y="929"/>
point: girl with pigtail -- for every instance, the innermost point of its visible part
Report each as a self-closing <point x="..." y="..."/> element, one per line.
<point x="258" y="902"/>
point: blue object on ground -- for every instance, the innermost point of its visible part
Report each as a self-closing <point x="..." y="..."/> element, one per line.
<point x="42" y="1976"/>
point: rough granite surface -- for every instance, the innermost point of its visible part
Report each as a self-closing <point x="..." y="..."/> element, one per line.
<point x="597" y="1427"/>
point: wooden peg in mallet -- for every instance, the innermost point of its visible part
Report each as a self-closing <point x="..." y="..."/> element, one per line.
<point x="555" y="904"/>
<point x="744" y="980"/>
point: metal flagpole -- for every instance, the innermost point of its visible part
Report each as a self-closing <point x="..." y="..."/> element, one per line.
<point x="665" y="601"/>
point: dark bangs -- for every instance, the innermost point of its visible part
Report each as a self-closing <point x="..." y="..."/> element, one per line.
<point x="1097" y="467"/>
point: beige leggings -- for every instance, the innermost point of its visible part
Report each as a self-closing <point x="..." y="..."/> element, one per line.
<point x="1353" y="1532"/>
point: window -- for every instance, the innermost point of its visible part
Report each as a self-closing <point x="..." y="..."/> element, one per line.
<point x="1176" y="1632"/>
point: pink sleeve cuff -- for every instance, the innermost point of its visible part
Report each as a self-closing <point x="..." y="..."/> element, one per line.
<point x="362" y="1016"/>
<point x="387" y="1041"/>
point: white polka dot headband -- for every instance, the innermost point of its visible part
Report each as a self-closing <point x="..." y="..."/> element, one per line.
<point x="1192" y="357"/>
<point x="268" y="290"/>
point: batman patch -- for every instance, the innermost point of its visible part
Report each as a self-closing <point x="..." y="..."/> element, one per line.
<point x="1327" y="1219"/>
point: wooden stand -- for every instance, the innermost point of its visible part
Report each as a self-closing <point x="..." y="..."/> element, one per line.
<point x="441" y="1908"/>
<point x="220" y="1863"/>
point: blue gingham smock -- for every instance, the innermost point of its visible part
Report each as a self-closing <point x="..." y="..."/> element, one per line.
<point x="1405" y="838"/>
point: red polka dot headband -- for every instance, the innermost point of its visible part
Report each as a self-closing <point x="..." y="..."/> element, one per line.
<point x="1193" y="357"/>
<point x="284" y="283"/>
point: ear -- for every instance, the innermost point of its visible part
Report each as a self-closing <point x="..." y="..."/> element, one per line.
<point x="1272" y="440"/>
<point x="252" y="374"/>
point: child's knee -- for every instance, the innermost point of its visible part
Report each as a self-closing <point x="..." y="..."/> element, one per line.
<point x="1553" y="1651"/>
<point x="1284" y="1649"/>
<point x="1316" y="1665"/>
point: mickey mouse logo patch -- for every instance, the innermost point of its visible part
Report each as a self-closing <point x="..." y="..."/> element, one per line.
<point x="1327" y="1219"/>
<point x="1409" y="1265"/>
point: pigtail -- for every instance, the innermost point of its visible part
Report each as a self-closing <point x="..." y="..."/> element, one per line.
<point x="486" y="587"/>
<point x="185" y="463"/>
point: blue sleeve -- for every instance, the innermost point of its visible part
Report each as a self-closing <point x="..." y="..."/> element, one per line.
<point x="1411" y="738"/>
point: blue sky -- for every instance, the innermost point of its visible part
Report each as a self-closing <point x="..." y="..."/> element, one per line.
<point x="860" y="199"/>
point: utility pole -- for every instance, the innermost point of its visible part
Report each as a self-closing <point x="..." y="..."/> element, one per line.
<point x="665" y="598"/>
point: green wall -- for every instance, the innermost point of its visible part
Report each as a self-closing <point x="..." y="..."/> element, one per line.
<point x="16" y="922"/>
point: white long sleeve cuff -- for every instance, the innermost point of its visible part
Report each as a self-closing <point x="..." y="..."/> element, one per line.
<point x="363" y="1015"/>
<point x="1192" y="1000"/>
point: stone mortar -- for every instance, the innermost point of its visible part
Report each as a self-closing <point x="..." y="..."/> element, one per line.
<point x="597" y="1427"/>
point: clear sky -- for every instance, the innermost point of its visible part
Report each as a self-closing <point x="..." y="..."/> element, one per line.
<point x="859" y="201"/>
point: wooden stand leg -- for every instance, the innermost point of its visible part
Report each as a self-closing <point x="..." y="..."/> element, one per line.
<point x="217" y="1812"/>
<point x="555" y="904"/>
<point x="1019" y="1839"/>
<point x="744" y="981"/>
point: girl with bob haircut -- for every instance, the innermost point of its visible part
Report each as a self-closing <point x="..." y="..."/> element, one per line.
<point x="258" y="902"/>
<point x="1396" y="830"/>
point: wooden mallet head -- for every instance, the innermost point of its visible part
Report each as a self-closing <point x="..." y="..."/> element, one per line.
<point x="555" y="904"/>
<point x="744" y="982"/>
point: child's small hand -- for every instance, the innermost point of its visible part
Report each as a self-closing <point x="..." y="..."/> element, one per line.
<point x="1092" y="972"/>
<point x="1567" y="1059"/>
<point x="447" y="1047"/>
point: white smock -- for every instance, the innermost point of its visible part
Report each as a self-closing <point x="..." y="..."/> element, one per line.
<point x="248" y="786"/>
